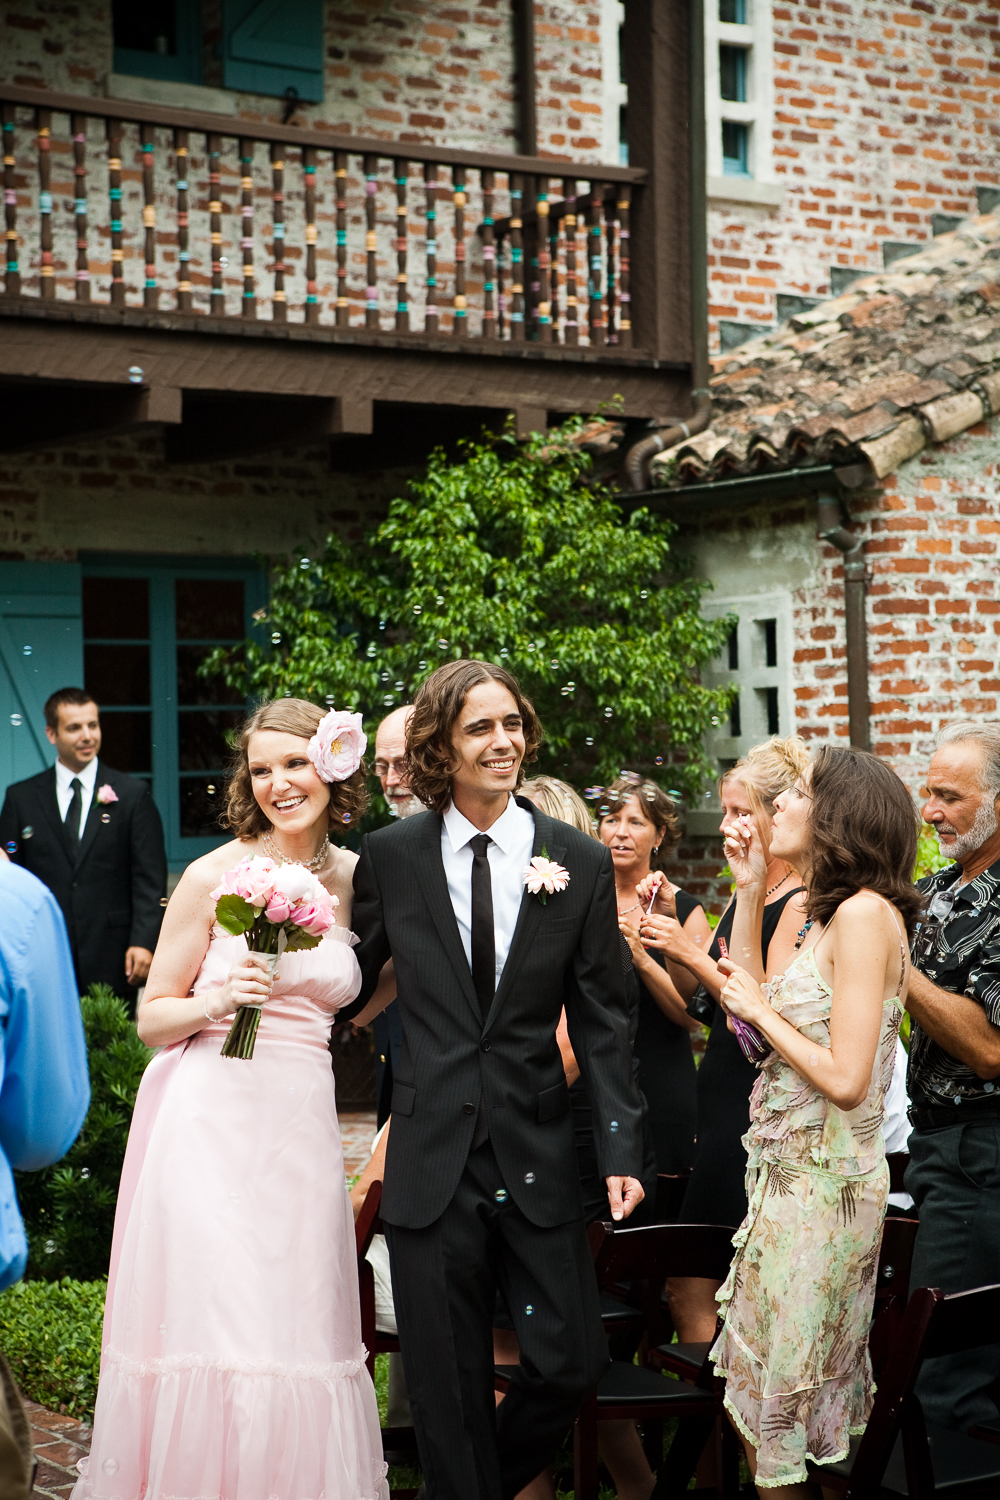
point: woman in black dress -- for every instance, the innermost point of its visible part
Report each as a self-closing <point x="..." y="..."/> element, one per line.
<point x="638" y="822"/>
<point x="716" y="1193"/>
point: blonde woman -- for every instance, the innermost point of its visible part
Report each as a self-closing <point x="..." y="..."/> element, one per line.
<point x="233" y="1362"/>
<point x="717" y="1192"/>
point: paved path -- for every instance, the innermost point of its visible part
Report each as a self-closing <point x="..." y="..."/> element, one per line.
<point x="60" y="1441"/>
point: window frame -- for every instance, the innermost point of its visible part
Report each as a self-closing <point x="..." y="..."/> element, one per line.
<point x="754" y="37"/>
<point x="162" y="574"/>
<point x="183" y="67"/>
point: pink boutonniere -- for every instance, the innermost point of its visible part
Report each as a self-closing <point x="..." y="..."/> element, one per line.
<point x="544" y="877"/>
<point x="106" y="793"/>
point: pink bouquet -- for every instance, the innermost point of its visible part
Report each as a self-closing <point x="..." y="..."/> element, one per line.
<point x="279" y="908"/>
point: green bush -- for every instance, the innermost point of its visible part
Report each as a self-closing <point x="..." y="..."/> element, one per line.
<point x="50" y="1332"/>
<point x="69" y="1209"/>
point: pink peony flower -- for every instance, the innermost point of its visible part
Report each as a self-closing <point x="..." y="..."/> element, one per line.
<point x="545" y="875"/>
<point x="337" y="746"/>
<point x="106" y="793"/>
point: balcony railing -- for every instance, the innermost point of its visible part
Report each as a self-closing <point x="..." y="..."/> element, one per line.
<point x="138" y="205"/>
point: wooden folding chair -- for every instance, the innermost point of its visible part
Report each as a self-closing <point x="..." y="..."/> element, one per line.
<point x="399" y="1444"/>
<point x="900" y="1454"/>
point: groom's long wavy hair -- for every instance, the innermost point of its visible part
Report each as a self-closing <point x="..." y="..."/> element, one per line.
<point x="436" y="707"/>
<point x="243" y="815"/>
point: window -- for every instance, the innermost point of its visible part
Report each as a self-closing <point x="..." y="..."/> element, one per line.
<point x="160" y="39"/>
<point x="614" y="90"/>
<point x="274" y="47"/>
<point x="146" y="631"/>
<point x="739" y="100"/>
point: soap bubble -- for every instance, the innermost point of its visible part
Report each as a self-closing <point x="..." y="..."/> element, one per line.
<point x="529" y="1309"/>
<point x="50" y="1247"/>
<point x="439" y="599"/>
<point x="554" y="662"/>
<point x="164" y="900"/>
<point x="417" y="609"/>
<point x="329" y="700"/>
<point x="715" y="719"/>
<point x="388" y="700"/>
<point x="442" y="643"/>
<point x="15" y="720"/>
<point x="210" y="789"/>
<point x="609" y="713"/>
<point x="26" y="833"/>
<point x="421" y="666"/>
<point x="347" y="817"/>
<point x="673" y="792"/>
<point x="12" y="846"/>
<point x="643" y="594"/>
<point x="590" y="739"/>
<point x="26" y="650"/>
<point x="385" y="677"/>
<point x="85" y="1172"/>
<point x="400" y="686"/>
<point x="503" y="651"/>
<point x="531" y="645"/>
<point x="304" y="563"/>
<point x="275" y="637"/>
<point x="105" y="817"/>
<point x="659" y="760"/>
<point x="110" y="1466"/>
<point x="593" y="792"/>
<point x="381" y="624"/>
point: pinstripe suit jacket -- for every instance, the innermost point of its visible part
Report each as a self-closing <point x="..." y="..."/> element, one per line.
<point x="566" y="951"/>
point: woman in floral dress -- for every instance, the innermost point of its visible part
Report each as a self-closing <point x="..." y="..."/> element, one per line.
<point x="798" y="1301"/>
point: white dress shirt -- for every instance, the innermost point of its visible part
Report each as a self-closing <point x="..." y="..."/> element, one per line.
<point x="512" y="835"/>
<point x="64" y="790"/>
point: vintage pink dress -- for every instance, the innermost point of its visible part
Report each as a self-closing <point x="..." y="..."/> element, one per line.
<point x="233" y="1367"/>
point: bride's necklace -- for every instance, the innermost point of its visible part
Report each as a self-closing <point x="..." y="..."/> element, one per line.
<point x="316" y="863"/>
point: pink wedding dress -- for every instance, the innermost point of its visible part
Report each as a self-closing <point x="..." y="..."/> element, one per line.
<point x="233" y="1367"/>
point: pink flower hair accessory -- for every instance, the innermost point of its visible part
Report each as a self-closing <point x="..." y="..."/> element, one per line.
<point x="106" y="794"/>
<point x="337" y="746"/>
<point x="545" y="878"/>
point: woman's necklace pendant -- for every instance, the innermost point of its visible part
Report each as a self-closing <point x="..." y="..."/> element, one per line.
<point x="316" y="863"/>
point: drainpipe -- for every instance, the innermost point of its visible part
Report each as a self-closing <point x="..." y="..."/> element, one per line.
<point x="830" y="529"/>
<point x="674" y="430"/>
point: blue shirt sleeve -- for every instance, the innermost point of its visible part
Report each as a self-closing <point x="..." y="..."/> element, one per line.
<point x="45" y="1089"/>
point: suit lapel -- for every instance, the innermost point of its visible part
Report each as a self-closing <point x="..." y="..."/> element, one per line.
<point x="89" y="833"/>
<point x="429" y="867"/>
<point x="531" y="911"/>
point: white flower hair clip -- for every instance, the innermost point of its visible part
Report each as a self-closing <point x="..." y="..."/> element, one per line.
<point x="338" y="745"/>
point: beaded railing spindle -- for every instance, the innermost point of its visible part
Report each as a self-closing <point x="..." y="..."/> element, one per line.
<point x="554" y="226"/>
<point x="371" y="241"/>
<point x="516" y="258"/>
<point x="279" y="309"/>
<point x="502" y="321"/>
<point x="183" y="231"/>
<point x="487" y="179"/>
<point x="340" y="203"/>
<point x="401" y="171"/>
<point x="611" y="262"/>
<point x="531" y="281"/>
<point x="460" y="326"/>
<point x="624" y="268"/>
<point x="78" y="129"/>
<point x="594" y="266"/>
<point x="217" y="300"/>
<point x="430" y="306"/>
<point x="12" y="273"/>
<point x="544" y="299"/>
<point x="248" y="302"/>
<point x="43" y="119"/>
<point x="571" y="328"/>
<point x="150" y="294"/>
<point x="309" y="177"/>
<point x="114" y="128"/>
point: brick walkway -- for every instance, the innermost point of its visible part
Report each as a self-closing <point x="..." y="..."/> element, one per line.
<point x="59" y="1443"/>
<point x="356" y="1131"/>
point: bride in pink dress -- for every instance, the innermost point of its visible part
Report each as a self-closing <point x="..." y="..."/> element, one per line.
<point x="233" y="1367"/>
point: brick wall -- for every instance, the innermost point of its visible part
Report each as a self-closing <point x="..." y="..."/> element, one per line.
<point x="885" y="114"/>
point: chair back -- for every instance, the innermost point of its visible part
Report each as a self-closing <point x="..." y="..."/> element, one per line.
<point x="670" y="1190"/>
<point x="366" y="1226"/>
<point x="892" y="1287"/>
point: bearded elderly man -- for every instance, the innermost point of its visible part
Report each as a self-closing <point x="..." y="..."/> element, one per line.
<point x="953" y="1077"/>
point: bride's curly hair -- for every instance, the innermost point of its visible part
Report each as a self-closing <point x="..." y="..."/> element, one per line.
<point x="243" y="815"/>
<point x="864" y="833"/>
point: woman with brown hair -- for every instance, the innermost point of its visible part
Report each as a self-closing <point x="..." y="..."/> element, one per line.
<point x="716" y="1193"/>
<point x="233" y="1361"/>
<point x="797" y="1304"/>
<point x="639" y="824"/>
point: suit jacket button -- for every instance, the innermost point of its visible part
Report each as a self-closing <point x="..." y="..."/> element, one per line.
<point x="485" y="1045"/>
<point x="468" y="1109"/>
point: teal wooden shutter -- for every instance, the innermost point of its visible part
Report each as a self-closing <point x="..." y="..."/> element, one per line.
<point x="271" y="46"/>
<point x="41" y="649"/>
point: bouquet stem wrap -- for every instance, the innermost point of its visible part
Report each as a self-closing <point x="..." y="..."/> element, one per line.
<point x="277" y="908"/>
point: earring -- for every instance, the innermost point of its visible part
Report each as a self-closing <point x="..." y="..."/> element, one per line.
<point x="656" y="848"/>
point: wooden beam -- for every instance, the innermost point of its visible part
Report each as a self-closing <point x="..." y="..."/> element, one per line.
<point x="37" y="415"/>
<point x="220" y="427"/>
<point x="655" y="44"/>
<point x="525" y="78"/>
<point x="352" y="414"/>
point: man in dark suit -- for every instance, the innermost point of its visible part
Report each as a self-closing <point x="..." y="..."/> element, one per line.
<point x="481" y="1189"/>
<point x="94" y="837"/>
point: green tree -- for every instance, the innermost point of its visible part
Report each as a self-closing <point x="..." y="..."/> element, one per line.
<point x="513" y="556"/>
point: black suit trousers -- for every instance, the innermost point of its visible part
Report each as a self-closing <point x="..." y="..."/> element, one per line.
<point x="445" y="1279"/>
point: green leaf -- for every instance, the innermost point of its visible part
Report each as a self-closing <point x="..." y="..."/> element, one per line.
<point x="298" y="938"/>
<point x="234" y="915"/>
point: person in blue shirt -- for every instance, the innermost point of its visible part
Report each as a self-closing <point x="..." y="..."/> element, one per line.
<point x="44" y="1086"/>
<point x="44" y="1095"/>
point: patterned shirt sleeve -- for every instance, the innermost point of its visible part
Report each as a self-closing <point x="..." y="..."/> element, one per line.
<point x="984" y="978"/>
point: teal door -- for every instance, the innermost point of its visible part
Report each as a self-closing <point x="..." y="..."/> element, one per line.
<point x="41" y="649"/>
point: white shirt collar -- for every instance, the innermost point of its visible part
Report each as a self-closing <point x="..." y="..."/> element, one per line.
<point x="64" y="776"/>
<point x="503" y="832"/>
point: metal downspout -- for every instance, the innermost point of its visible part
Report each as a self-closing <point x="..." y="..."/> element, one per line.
<point x="830" y="529"/>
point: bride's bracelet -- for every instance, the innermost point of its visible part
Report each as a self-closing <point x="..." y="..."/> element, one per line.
<point x="208" y="1014"/>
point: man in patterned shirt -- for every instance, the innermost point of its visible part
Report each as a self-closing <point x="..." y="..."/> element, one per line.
<point x="953" y="1077"/>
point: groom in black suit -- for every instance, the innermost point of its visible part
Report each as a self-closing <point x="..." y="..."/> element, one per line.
<point x="94" y="837"/>
<point x="481" y="1188"/>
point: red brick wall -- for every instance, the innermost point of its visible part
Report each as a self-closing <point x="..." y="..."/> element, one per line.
<point x="885" y="113"/>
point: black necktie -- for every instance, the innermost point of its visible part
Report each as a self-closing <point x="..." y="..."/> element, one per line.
<point x="484" y="955"/>
<point x="72" y="818"/>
